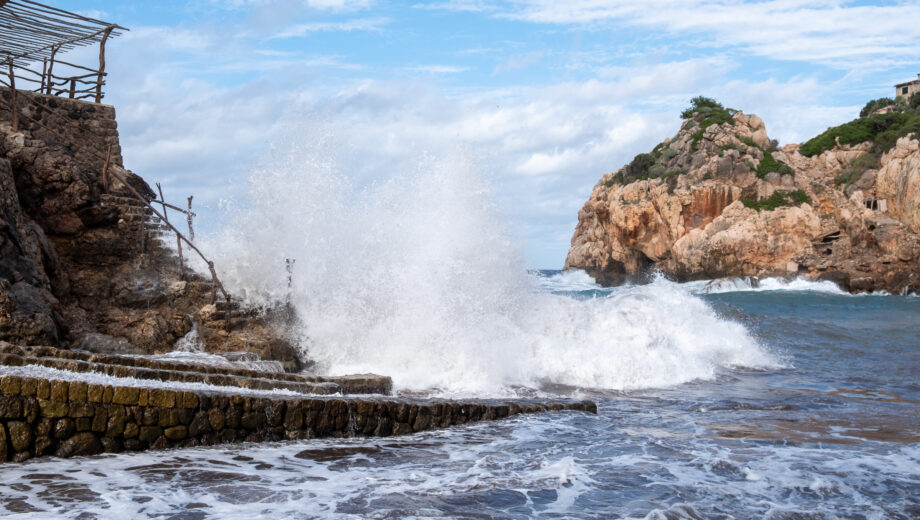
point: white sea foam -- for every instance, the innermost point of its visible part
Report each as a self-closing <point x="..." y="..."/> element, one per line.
<point x="764" y="285"/>
<point x="416" y="277"/>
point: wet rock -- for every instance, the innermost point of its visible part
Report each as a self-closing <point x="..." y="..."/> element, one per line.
<point x="84" y="443"/>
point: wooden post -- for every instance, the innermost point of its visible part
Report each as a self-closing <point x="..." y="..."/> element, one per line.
<point x="51" y="66"/>
<point x="73" y="86"/>
<point x="13" y="109"/>
<point x="188" y="216"/>
<point x="105" y="169"/>
<point x="105" y="36"/>
<point x="44" y="71"/>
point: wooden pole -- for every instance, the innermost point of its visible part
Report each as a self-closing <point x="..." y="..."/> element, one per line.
<point x="73" y="86"/>
<point x="178" y="238"/>
<point x="51" y="66"/>
<point x="105" y="169"/>
<point x="105" y="36"/>
<point x="14" y="112"/>
<point x="44" y="71"/>
<point x="188" y="216"/>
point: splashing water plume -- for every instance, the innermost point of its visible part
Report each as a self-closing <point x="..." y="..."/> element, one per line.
<point x="415" y="277"/>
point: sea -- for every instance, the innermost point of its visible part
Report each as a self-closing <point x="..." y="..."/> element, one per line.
<point x="716" y="400"/>
<point x="722" y="400"/>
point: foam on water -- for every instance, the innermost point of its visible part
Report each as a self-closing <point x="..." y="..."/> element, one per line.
<point x="416" y="277"/>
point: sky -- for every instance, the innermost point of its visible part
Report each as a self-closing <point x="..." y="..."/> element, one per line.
<point x="545" y="95"/>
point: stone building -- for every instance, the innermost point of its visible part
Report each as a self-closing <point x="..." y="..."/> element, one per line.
<point x="907" y="89"/>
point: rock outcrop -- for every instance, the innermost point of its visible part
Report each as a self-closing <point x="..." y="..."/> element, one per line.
<point x="720" y="200"/>
<point x="83" y="263"/>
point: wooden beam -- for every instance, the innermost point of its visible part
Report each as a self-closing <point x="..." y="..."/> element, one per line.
<point x="105" y="36"/>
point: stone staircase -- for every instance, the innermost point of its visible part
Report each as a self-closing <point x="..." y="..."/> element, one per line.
<point x="168" y="370"/>
<point x="134" y="214"/>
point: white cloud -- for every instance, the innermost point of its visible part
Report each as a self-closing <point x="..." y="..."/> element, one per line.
<point x="439" y="69"/>
<point x="833" y="32"/>
<point x="359" y="24"/>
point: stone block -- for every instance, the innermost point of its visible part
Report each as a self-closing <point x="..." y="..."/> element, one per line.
<point x="176" y="433"/>
<point x="10" y="407"/>
<point x="94" y="393"/>
<point x="149" y="434"/>
<point x="100" y="420"/>
<point x="29" y="387"/>
<point x="43" y="389"/>
<point x="59" y="391"/>
<point x="189" y="400"/>
<point x="10" y="385"/>
<point x="199" y="424"/>
<point x="81" y="409"/>
<point x="162" y="398"/>
<point x="131" y="431"/>
<point x="107" y="394"/>
<point x="143" y="397"/>
<point x="84" y="443"/>
<point x="150" y="416"/>
<point x="63" y="428"/>
<point x="20" y="435"/>
<point x="77" y="391"/>
<point x="293" y="417"/>
<point x="83" y="424"/>
<point x="253" y="420"/>
<point x="168" y="417"/>
<point x="216" y="419"/>
<point x="4" y="449"/>
<point x="125" y="395"/>
<point x="42" y="445"/>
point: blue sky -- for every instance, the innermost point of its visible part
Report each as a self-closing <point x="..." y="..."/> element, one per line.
<point x="547" y="95"/>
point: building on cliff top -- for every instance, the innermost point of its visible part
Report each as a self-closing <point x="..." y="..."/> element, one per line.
<point x="907" y="89"/>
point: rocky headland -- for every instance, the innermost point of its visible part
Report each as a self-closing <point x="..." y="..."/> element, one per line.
<point x="720" y="199"/>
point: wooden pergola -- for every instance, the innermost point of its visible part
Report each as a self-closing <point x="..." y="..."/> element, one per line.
<point x="34" y="35"/>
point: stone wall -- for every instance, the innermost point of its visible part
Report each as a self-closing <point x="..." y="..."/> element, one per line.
<point x="912" y="88"/>
<point x="41" y="417"/>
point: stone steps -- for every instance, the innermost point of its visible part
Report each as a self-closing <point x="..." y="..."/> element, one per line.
<point x="153" y="374"/>
<point x="361" y="384"/>
<point x="40" y="417"/>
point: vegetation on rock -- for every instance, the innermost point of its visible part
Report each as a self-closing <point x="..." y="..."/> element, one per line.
<point x="883" y="130"/>
<point x="778" y="199"/>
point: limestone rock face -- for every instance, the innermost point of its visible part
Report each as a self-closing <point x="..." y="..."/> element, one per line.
<point x="898" y="181"/>
<point x="77" y="267"/>
<point x="685" y="216"/>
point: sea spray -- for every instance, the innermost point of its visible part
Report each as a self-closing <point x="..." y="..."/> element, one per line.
<point x="415" y="276"/>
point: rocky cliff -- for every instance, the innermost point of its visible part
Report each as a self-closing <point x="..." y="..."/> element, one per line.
<point x="83" y="263"/>
<point x="720" y="200"/>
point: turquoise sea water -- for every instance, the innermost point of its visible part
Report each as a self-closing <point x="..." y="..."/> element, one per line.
<point x="832" y="430"/>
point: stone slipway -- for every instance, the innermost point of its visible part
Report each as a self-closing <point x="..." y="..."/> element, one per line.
<point x="42" y="417"/>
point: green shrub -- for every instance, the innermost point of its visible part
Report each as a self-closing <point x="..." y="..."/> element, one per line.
<point x="748" y="141"/>
<point x="914" y="101"/>
<point x="857" y="168"/>
<point x="874" y="105"/>
<point x="707" y="112"/>
<point x="656" y="170"/>
<point x="701" y="103"/>
<point x="768" y="164"/>
<point x="777" y="200"/>
<point x="668" y="153"/>
<point x="883" y="130"/>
